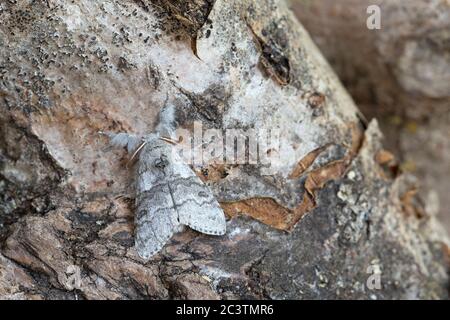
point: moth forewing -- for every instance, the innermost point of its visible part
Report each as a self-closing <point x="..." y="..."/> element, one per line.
<point x="156" y="218"/>
<point x="169" y="194"/>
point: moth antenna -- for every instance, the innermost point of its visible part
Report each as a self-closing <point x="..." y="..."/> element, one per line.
<point x="135" y="153"/>
<point x="171" y="141"/>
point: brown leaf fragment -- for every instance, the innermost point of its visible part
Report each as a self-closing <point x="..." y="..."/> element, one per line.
<point x="308" y="203"/>
<point x="306" y="162"/>
<point x="384" y="157"/>
<point x="269" y="212"/>
<point x="191" y="14"/>
<point x="272" y="59"/>
<point x="357" y="140"/>
<point x="411" y="204"/>
<point x="266" y="210"/>
<point x="194" y="47"/>
<point x="446" y="250"/>
<point x="213" y="172"/>
<point x="316" y="99"/>
<point x="318" y="178"/>
<point x="388" y="164"/>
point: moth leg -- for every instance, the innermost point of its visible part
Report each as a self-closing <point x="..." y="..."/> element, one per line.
<point x="123" y="140"/>
<point x="135" y="153"/>
<point x="128" y="192"/>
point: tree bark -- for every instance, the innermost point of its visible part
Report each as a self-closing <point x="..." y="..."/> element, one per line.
<point x="324" y="224"/>
<point x="399" y="74"/>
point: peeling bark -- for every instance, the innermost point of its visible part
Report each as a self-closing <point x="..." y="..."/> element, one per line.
<point x="69" y="70"/>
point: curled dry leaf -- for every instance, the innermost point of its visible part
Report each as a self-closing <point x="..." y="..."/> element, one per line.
<point x="272" y="58"/>
<point x="271" y="213"/>
<point x="306" y="162"/>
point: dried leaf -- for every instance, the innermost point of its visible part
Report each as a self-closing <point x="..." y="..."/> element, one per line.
<point x="384" y="157"/>
<point x="316" y="99"/>
<point x="272" y="58"/>
<point x="269" y="212"/>
<point x="411" y="204"/>
<point x="306" y="162"/>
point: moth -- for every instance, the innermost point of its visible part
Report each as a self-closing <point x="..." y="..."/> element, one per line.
<point x="169" y="195"/>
